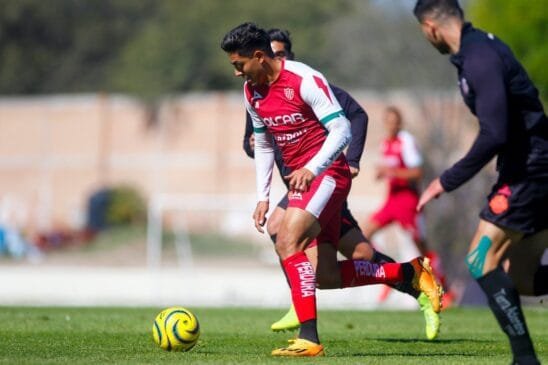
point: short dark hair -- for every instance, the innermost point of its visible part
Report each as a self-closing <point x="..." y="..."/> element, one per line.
<point x="245" y="39"/>
<point x="437" y="9"/>
<point x="283" y="36"/>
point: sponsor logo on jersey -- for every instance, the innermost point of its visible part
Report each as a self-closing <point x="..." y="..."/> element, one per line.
<point x="289" y="93"/>
<point x="307" y="279"/>
<point x="284" y="119"/>
<point x="282" y="138"/>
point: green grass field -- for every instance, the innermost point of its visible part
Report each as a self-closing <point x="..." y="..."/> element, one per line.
<point x="242" y="336"/>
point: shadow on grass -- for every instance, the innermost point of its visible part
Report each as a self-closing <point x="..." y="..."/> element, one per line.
<point x="434" y="342"/>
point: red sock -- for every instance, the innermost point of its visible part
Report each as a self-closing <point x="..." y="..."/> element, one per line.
<point x="302" y="280"/>
<point x="361" y="272"/>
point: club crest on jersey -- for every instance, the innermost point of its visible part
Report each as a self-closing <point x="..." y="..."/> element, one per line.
<point x="289" y="93"/>
<point x="294" y="195"/>
<point x="464" y="86"/>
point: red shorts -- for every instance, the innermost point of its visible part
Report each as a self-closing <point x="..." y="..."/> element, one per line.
<point x="324" y="200"/>
<point x="401" y="207"/>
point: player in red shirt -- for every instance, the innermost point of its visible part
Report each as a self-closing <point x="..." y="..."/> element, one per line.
<point x="352" y="242"/>
<point x="401" y="166"/>
<point x="293" y="105"/>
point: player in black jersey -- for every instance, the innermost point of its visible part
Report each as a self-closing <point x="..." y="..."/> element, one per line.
<point x="514" y="128"/>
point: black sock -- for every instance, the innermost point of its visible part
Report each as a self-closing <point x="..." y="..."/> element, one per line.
<point x="309" y="331"/>
<point x="379" y="258"/>
<point x="505" y="304"/>
<point x="540" y="282"/>
<point x="406" y="286"/>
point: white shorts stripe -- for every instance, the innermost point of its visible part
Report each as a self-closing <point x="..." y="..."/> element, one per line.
<point x="318" y="202"/>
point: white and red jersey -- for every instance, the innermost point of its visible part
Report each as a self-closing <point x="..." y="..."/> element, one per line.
<point x="400" y="152"/>
<point x="304" y="118"/>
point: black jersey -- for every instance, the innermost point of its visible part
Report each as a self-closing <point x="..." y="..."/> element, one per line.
<point x="513" y="125"/>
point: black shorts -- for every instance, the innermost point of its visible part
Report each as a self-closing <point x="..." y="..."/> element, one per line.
<point x="348" y="220"/>
<point x="518" y="206"/>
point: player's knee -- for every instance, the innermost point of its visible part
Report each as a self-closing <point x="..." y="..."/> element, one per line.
<point x="475" y="260"/>
<point x="285" y="246"/>
<point x="272" y="227"/>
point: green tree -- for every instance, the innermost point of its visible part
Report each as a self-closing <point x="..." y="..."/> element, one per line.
<point x="179" y="49"/>
<point x="523" y="25"/>
<point x="63" y="45"/>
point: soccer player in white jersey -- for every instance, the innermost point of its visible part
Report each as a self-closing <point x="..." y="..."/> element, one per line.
<point x="294" y="104"/>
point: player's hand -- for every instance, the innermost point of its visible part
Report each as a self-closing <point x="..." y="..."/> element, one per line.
<point x="385" y="172"/>
<point x="354" y="171"/>
<point x="433" y="191"/>
<point x="300" y="180"/>
<point x="259" y="216"/>
<point x="252" y="142"/>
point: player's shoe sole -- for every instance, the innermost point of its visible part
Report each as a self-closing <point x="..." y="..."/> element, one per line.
<point x="288" y="322"/>
<point x="425" y="281"/>
<point x="300" y="348"/>
<point x="431" y="318"/>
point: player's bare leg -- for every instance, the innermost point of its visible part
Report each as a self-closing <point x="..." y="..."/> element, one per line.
<point x="297" y="229"/>
<point x="487" y="250"/>
<point x="289" y="320"/>
<point x="525" y="266"/>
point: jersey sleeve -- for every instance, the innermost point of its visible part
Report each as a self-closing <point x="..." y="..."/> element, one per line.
<point x="316" y="92"/>
<point x="264" y="154"/>
<point x="410" y="153"/>
<point x="358" y="125"/>
<point x="484" y="72"/>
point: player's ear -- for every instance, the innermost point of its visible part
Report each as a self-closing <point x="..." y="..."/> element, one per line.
<point x="259" y="55"/>
<point x="428" y="28"/>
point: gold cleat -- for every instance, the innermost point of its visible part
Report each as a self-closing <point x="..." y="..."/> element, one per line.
<point x="300" y="347"/>
<point x="425" y="281"/>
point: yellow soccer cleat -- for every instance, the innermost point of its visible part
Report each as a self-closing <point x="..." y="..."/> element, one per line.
<point x="431" y="318"/>
<point x="300" y="347"/>
<point x="288" y="322"/>
<point x="425" y="281"/>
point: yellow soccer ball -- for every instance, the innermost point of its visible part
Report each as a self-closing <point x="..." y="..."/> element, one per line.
<point x="176" y="329"/>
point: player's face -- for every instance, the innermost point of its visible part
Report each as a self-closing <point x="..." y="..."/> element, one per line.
<point x="392" y="123"/>
<point x="279" y="49"/>
<point x="250" y="68"/>
<point x="432" y="34"/>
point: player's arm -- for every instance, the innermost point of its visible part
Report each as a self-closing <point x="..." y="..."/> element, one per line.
<point x="248" y="147"/>
<point x="319" y="96"/>
<point x="484" y="72"/>
<point x="358" y="127"/>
